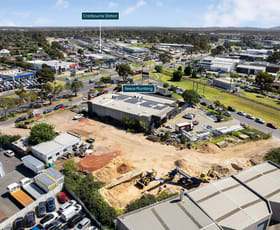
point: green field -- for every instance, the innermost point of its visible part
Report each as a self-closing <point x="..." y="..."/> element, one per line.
<point x="268" y="114"/>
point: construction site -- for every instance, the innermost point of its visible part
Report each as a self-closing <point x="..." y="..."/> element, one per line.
<point x="130" y="165"/>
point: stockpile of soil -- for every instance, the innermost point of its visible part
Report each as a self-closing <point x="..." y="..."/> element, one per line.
<point x="187" y="167"/>
<point x="208" y="148"/>
<point x="115" y="168"/>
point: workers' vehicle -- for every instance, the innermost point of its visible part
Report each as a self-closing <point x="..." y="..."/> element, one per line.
<point x="31" y="188"/>
<point x="240" y="113"/>
<point x="83" y="224"/>
<point x="270" y="125"/>
<point x="33" y="164"/>
<point x="19" y="119"/>
<point x="9" y="153"/>
<point x="70" y="212"/>
<point x="47" y="110"/>
<point x="19" y="195"/>
<point x="48" y="219"/>
<point x="76" y="219"/>
<point x="249" y="116"/>
<point x="183" y="126"/>
<point x="59" y="106"/>
<point x="50" y="203"/>
<point x="259" y="120"/>
<point x="146" y="179"/>
<point x="231" y="109"/>
<point x="66" y="205"/>
<point x="211" y="174"/>
<point x="62" y="198"/>
<point x="189" y="116"/>
<point x="54" y="225"/>
<point x="19" y="223"/>
<point x="41" y="209"/>
<point x="30" y="219"/>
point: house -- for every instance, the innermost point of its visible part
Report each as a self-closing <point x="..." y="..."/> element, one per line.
<point x="4" y="52"/>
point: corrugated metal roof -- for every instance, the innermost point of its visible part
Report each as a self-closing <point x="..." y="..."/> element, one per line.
<point x="54" y="174"/>
<point x="169" y="214"/>
<point x="236" y="206"/>
<point x="43" y="178"/>
<point x="264" y="179"/>
<point x="33" y="160"/>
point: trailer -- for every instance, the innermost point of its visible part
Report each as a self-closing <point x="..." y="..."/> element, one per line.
<point x="19" y="195"/>
<point x="31" y="188"/>
<point x="187" y="126"/>
<point x="33" y="163"/>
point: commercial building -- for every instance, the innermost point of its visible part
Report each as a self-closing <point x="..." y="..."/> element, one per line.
<point x="153" y="110"/>
<point x="264" y="180"/>
<point x="176" y="213"/>
<point x="249" y="69"/>
<point x="49" y="151"/>
<point x="131" y="49"/>
<point x="218" y="64"/>
<point x="15" y="74"/>
<point x="4" y="52"/>
<point x="57" y="66"/>
<point x="223" y="83"/>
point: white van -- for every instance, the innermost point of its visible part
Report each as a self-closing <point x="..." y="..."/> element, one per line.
<point x="67" y="205"/>
<point x="71" y="211"/>
<point x="83" y="224"/>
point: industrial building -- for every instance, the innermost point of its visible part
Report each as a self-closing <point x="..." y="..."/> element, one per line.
<point x="49" y="151"/>
<point x="57" y="66"/>
<point x="223" y="83"/>
<point x="249" y="69"/>
<point x="15" y="74"/>
<point x="153" y="110"/>
<point x="176" y="213"/>
<point x="131" y="49"/>
<point x="218" y="64"/>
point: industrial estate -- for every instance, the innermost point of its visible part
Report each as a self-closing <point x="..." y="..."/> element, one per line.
<point x="139" y="128"/>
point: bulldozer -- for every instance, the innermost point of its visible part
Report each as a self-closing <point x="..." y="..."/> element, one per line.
<point x="145" y="179"/>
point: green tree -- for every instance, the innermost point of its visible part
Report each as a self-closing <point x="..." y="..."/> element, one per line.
<point x="75" y="86"/>
<point x="177" y="75"/>
<point x="8" y="139"/>
<point x="45" y="74"/>
<point x="264" y="80"/>
<point x="273" y="155"/>
<point x="80" y="51"/>
<point x="165" y="85"/>
<point x="140" y="203"/>
<point x="164" y="57"/>
<point x="7" y="103"/>
<point x="40" y="133"/>
<point x="188" y="70"/>
<point x="274" y="58"/>
<point x="234" y="75"/>
<point x="158" y="68"/>
<point x="194" y="74"/>
<point x="124" y="71"/>
<point x="191" y="97"/>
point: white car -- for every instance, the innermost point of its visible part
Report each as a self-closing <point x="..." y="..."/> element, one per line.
<point x="78" y="116"/>
<point x="188" y="116"/>
<point x="67" y="205"/>
<point x="83" y="224"/>
<point x="9" y="153"/>
<point x="85" y="98"/>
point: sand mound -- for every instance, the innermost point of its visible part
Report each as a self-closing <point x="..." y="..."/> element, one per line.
<point x="187" y="167"/>
<point x="114" y="169"/>
<point x="208" y="148"/>
<point x="221" y="170"/>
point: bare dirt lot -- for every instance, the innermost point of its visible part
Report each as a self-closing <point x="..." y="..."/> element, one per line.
<point x="132" y="151"/>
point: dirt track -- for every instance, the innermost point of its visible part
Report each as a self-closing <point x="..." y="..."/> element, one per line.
<point x="145" y="155"/>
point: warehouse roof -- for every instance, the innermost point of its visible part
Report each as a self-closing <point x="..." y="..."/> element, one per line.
<point x="169" y="214"/>
<point x="54" y="174"/>
<point x="45" y="179"/>
<point x="251" y="67"/>
<point x="264" y="179"/>
<point x="138" y="104"/>
<point x="236" y="207"/>
<point x="33" y="160"/>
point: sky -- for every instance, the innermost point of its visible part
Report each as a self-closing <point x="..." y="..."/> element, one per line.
<point x="164" y="13"/>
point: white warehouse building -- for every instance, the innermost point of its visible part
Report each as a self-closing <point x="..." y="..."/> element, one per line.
<point x="49" y="151"/>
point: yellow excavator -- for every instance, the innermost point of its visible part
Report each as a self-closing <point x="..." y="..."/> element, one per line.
<point x="146" y="179"/>
<point x="206" y="177"/>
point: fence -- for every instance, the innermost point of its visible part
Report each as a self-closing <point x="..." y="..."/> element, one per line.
<point x="31" y="207"/>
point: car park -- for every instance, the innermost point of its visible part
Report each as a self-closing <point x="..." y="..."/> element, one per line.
<point x="259" y="120"/>
<point x="48" y="219"/>
<point x="66" y="205"/>
<point x="250" y="117"/>
<point x="50" y="204"/>
<point x="240" y="113"/>
<point x="9" y="153"/>
<point x="55" y="224"/>
<point x="83" y="224"/>
<point x="76" y="219"/>
<point x="30" y="219"/>
<point x="18" y="224"/>
<point x="231" y="109"/>
<point x="70" y="212"/>
<point x="271" y="125"/>
<point x="62" y="198"/>
<point x="41" y="209"/>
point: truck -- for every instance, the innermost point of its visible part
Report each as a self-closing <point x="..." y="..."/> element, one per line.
<point x="31" y="188"/>
<point x="16" y="192"/>
<point x="33" y="164"/>
<point x="187" y="126"/>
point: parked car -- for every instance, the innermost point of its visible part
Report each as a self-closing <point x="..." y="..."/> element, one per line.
<point x="231" y="109"/>
<point x="68" y="213"/>
<point x="54" y="225"/>
<point x="41" y="209"/>
<point x="62" y="198"/>
<point x="203" y="103"/>
<point x="48" y="219"/>
<point x="9" y="153"/>
<point x="90" y="140"/>
<point x="50" y="203"/>
<point x="227" y="114"/>
<point x="78" y="116"/>
<point x="47" y="110"/>
<point x="271" y="125"/>
<point x="83" y="224"/>
<point x="67" y="205"/>
<point x="240" y="113"/>
<point x="64" y="227"/>
<point x="76" y="219"/>
<point x="259" y="120"/>
<point x="30" y="219"/>
<point x="58" y="106"/>
<point x="250" y="117"/>
<point x="18" y="224"/>
<point x="188" y="116"/>
<point x="19" y="119"/>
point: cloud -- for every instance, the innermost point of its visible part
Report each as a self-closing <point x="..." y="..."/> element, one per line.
<point x="112" y="5"/>
<point x="62" y="4"/>
<point x="7" y="22"/>
<point x="41" y="21"/>
<point x="131" y="9"/>
<point x="243" y="12"/>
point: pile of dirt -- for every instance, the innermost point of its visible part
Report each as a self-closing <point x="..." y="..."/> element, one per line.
<point x="115" y="168"/>
<point x="208" y="148"/>
<point x="221" y="170"/>
<point x="187" y="166"/>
